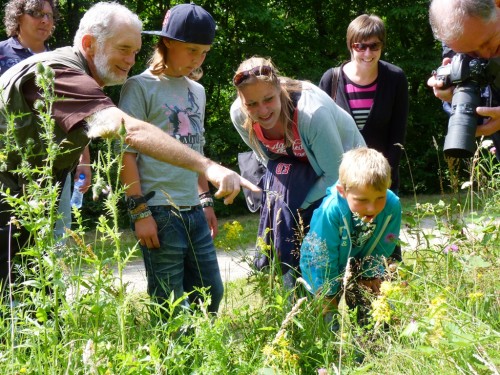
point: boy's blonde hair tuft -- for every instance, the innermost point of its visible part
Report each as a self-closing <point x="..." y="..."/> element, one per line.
<point x="363" y="166"/>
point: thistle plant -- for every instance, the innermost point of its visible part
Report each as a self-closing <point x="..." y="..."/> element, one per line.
<point x="36" y="292"/>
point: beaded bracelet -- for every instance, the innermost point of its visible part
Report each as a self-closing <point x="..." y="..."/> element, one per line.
<point x="205" y="194"/>
<point x="141" y="215"/>
<point x="207" y="202"/>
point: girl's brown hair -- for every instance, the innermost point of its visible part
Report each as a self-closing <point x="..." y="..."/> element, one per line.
<point x="158" y="62"/>
<point x="285" y="86"/>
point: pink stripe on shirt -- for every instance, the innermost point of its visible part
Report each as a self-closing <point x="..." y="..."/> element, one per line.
<point x="351" y="88"/>
<point x="360" y="103"/>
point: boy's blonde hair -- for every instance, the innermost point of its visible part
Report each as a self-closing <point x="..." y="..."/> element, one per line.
<point x="363" y="167"/>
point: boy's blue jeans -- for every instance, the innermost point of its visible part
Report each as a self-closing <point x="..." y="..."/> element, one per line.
<point x="186" y="258"/>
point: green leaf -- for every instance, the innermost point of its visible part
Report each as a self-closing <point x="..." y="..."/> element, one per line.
<point x="427" y="350"/>
<point x="477" y="261"/>
<point x="266" y="329"/>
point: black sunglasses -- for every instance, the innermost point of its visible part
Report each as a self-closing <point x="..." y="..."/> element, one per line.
<point x="362" y="47"/>
<point x="263" y="70"/>
<point x="39" y="14"/>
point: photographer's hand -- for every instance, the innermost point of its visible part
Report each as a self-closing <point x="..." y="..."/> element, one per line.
<point x="492" y="124"/>
<point x="436" y="84"/>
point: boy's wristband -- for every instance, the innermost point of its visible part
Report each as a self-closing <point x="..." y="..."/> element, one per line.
<point x="139" y="208"/>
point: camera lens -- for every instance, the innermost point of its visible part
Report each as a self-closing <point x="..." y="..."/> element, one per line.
<point x="460" y="141"/>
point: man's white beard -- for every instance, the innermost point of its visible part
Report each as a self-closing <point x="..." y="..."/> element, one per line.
<point x="104" y="72"/>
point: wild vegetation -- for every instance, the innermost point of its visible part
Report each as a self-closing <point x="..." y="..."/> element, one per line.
<point x="71" y="313"/>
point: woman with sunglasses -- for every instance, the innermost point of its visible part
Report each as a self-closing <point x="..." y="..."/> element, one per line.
<point x="299" y="134"/>
<point x="374" y="92"/>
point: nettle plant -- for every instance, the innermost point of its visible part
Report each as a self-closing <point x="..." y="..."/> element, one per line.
<point x="36" y="207"/>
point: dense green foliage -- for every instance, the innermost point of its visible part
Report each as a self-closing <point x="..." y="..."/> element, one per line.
<point x="304" y="39"/>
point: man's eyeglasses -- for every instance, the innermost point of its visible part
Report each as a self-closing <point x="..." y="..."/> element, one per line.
<point x="39" y="15"/>
<point x="362" y="47"/>
<point x="263" y="70"/>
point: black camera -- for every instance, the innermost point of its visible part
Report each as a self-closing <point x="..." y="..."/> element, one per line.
<point x="469" y="75"/>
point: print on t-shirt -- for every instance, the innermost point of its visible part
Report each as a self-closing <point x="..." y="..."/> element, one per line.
<point x="185" y="121"/>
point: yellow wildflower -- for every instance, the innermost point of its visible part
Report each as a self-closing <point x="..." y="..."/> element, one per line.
<point x="438" y="313"/>
<point x="475" y="296"/>
<point x="381" y="311"/>
<point x="389" y="289"/>
<point x="261" y="244"/>
<point x="268" y="351"/>
<point x="233" y="230"/>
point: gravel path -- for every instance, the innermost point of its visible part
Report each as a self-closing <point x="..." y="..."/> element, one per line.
<point x="232" y="267"/>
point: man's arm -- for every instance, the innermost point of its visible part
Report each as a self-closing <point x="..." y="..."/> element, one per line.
<point x="84" y="167"/>
<point x="152" y="141"/>
<point x="209" y="211"/>
<point x="437" y="85"/>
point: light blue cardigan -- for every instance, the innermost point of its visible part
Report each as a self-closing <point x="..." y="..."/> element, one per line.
<point x="326" y="132"/>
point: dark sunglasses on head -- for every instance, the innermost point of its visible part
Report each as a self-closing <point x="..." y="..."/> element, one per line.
<point x="39" y="15"/>
<point x="361" y="47"/>
<point x="241" y="77"/>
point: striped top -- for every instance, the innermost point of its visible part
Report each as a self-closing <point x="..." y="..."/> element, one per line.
<point x="360" y="100"/>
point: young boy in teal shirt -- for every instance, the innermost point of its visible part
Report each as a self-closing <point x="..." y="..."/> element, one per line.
<point x="359" y="219"/>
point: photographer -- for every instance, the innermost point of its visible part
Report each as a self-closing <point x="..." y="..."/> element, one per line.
<point x="471" y="27"/>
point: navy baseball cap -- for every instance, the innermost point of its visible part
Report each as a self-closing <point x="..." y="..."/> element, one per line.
<point x="188" y="23"/>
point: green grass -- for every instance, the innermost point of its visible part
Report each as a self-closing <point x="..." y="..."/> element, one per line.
<point x="442" y="311"/>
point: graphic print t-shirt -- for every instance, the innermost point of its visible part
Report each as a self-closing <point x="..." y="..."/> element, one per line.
<point x="277" y="146"/>
<point x="177" y="106"/>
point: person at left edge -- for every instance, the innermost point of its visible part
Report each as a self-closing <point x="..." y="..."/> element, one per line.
<point x="29" y="24"/>
<point x="104" y="50"/>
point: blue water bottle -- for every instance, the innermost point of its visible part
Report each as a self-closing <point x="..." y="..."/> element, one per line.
<point x="77" y="197"/>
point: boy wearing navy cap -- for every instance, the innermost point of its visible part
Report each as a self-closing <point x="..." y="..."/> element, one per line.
<point x="175" y="226"/>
